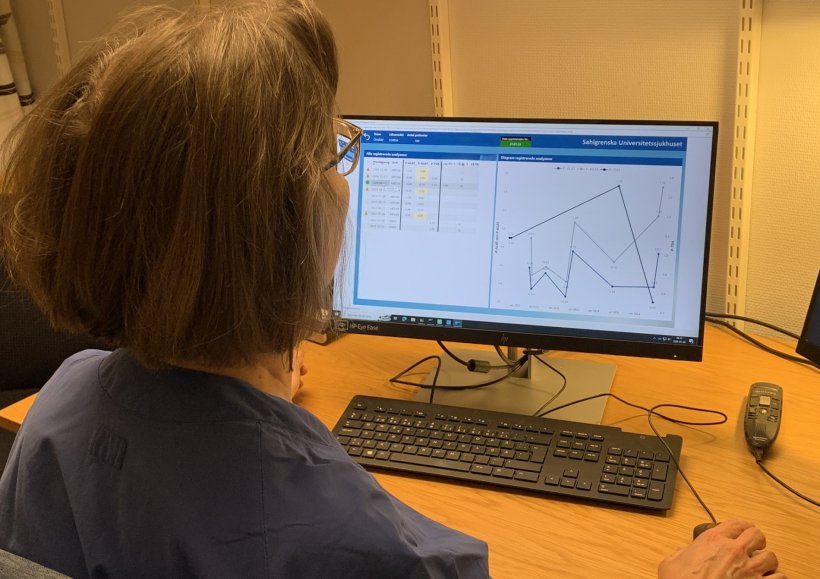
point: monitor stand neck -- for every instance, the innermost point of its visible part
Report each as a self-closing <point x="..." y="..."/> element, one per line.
<point x="528" y="389"/>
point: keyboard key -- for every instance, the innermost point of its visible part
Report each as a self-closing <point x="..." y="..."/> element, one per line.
<point x="609" y="489"/>
<point x="432" y="462"/>
<point x="523" y="465"/>
<point x="527" y="476"/>
<point x="482" y="469"/>
<point x="539" y="454"/>
<point x="659" y="471"/>
<point x="503" y="472"/>
<point x="655" y="491"/>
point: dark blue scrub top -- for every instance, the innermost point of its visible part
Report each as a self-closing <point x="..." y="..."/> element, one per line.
<point x="119" y="471"/>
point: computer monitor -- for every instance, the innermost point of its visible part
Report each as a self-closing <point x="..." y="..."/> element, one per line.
<point x="809" y="343"/>
<point x="587" y="236"/>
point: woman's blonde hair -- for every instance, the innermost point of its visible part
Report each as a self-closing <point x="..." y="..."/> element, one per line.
<point x="168" y="194"/>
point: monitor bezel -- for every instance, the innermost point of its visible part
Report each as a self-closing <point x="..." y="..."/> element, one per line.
<point x="562" y="338"/>
<point x="805" y="347"/>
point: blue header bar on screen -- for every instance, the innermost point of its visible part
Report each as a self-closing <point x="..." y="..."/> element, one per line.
<point x="517" y="141"/>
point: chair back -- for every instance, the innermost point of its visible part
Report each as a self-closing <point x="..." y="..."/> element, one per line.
<point x="30" y="350"/>
<point x="15" y="567"/>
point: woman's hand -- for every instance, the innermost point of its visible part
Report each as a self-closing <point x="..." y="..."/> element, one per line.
<point x="731" y="550"/>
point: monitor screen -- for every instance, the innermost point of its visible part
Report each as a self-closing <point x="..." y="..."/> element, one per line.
<point x="567" y="235"/>
<point x="809" y="343"/>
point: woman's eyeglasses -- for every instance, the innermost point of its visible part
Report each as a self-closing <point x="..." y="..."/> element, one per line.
<point x="348" y="137"/>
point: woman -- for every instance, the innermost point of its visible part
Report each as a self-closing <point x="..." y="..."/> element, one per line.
<point x="176" y="196"/>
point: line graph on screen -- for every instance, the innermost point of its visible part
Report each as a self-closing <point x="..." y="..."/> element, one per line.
<point x="587" y="239"/>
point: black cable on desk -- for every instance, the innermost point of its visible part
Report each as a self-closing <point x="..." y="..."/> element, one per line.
<point x="560" y="390"/>
<point x="397" y="379"/>
<point x="759" y="462"/>
<point x="761" y="345"/>
<point x="754" y="321"/>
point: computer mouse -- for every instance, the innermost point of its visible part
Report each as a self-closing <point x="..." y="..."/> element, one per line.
<point x="700" y="528"/>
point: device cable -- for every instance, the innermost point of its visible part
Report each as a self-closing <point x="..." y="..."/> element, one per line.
<point x="754" y="321"/>
<point x="722" y="420"/>
<point x="758" y="454"/>
<point x="397" y="379"/>
<point x="760" y="344"/>
<point x="480" y="365"/>
<point x="672" y="454"/>
<point x="560" y="390"/>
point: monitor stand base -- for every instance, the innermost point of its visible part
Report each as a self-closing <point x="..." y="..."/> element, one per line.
<point x="524" y="395"/>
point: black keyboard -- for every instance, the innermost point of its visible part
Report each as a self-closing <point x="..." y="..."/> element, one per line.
<point x="556" y="457"/>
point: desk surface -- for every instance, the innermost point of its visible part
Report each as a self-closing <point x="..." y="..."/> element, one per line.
<point x="537" y="536"/>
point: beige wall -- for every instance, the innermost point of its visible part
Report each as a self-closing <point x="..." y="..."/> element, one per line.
<point x="384" y="52"/>
<point x="84" y="20"/>
<point x="784" y="254"/>
<point x="87" y="19"/>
